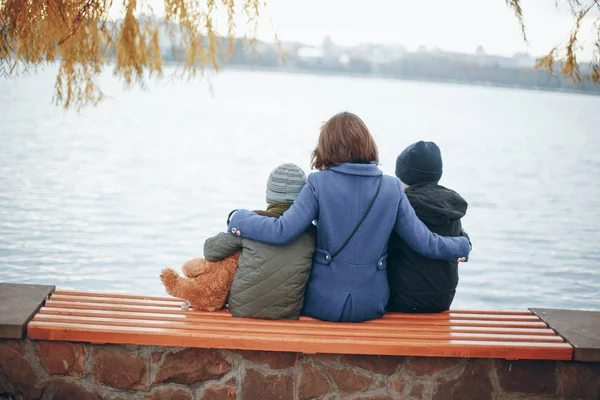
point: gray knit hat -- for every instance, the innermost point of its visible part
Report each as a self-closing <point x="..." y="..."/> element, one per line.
<point x="285" y="183"/>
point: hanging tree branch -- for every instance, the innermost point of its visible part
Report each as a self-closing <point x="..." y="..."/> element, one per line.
<point x="563" y="57"/>
<point x="84" y="40"/>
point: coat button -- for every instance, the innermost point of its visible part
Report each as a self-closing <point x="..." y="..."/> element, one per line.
<point x="233" y="230"/>
<point x="380" y="264"/>
<point x="238" y="233"/>
<point x="327" y="257"/>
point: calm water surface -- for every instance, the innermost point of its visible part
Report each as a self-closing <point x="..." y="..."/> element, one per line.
<point x="103" y="199"/>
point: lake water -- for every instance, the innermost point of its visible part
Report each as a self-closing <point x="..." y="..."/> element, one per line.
<point x="103" y="199"/>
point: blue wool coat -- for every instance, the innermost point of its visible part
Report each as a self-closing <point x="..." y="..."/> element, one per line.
<point x="353" y="286"/>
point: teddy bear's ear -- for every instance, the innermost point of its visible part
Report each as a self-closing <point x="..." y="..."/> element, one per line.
<point x="194" y="267"/>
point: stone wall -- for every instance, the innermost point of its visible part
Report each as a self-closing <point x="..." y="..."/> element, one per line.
<point x="60" y="370"/>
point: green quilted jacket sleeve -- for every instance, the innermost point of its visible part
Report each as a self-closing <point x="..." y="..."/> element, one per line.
<point x="222" y="245"/>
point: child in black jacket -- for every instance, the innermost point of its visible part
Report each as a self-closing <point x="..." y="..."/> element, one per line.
<point x="419" y="284"/>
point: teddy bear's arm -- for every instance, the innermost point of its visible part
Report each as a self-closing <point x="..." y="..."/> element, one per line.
<point x="210" y="267"/>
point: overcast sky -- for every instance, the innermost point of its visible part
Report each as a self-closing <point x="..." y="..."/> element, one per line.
<point x="452" y="25"/>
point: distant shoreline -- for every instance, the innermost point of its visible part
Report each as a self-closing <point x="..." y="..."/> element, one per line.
<point x="319" y="72"/>
<point x="305" y="71"/>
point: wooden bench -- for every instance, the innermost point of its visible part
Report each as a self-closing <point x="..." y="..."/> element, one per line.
<point x="147" y="320"/>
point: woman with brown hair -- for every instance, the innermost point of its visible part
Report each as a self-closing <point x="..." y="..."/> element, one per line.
<point x="355" y="208"/>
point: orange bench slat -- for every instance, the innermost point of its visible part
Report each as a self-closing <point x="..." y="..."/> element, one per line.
<point x="113" y="295"/>
<point x="497" y="312"/>
<point x="198" y="318"/>
<point x="385" y="321"/>
<point x="176" y="304"/>
<point x="165" y="298"/>
<point x="293" y="330"/>
<point x="111" y="300"/>
<point x="292" y="343"/>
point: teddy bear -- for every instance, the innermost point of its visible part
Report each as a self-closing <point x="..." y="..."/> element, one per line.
<point x="206" y="284"/>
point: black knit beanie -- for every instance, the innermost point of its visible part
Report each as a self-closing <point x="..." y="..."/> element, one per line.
<point x="419" y="163"/>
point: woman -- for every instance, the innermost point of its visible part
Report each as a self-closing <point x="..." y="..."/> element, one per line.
<point x="356" y="208"/>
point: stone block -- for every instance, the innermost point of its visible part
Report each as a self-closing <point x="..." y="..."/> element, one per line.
<point x="267" y="387"/>
<point x="473" y="383"/>
<point x="169" y="394"/>
<point x="378" y="396"/>
<point x="19" y="377"/>
<point x="417" y="390"/>
<point x="272" y="359"/>
<point x="581" y="380"/>
<point x="385" y="365"/>
<point x="63" y="358"/>
<point x="527" y="376"/>
<point x="323" y="358"/>
<point x="513" y="396"/>
<point x="4" y="384"/>
<point x="313" y="383"/>
<point x="398" y="384"/>
<point x="192" y="365"/>
<point x="349" y="382"/>
<point x="63" y="390"/>
<point x="219" y="392"/>
<point x="428" y="366"/>
<point x="18" y="304"/>
<point x="119" y="369"/>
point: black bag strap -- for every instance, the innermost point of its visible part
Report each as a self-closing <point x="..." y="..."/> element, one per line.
<point x="361" y="220"/>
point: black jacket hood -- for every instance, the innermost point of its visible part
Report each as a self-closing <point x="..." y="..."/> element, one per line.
<point x="435" y="204"/>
